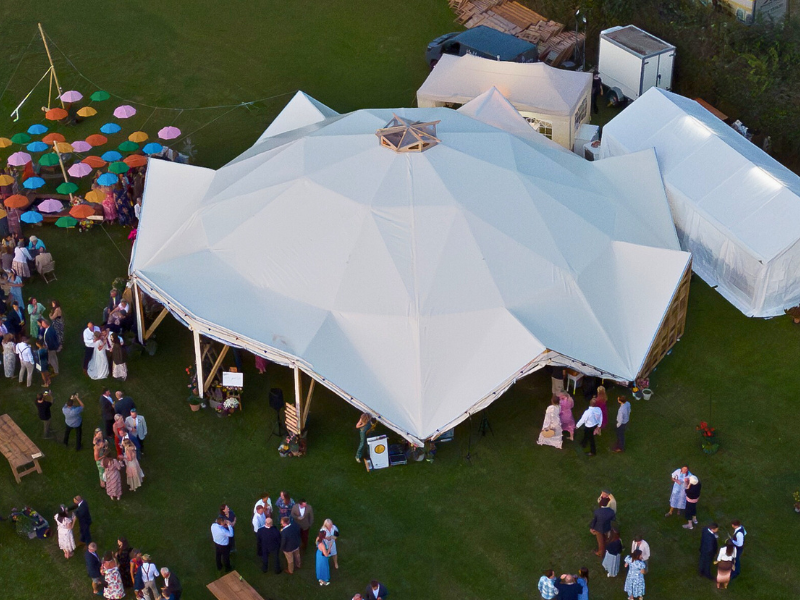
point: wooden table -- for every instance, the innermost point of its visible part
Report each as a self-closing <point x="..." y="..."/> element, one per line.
<point x="233" y="587"/>
<point x="18" y="448"/>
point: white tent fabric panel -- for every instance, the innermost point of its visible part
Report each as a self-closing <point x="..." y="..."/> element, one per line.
<point x="735" y="208"/>
<point x="418" y="286"/>
<point x="301" y="110"/>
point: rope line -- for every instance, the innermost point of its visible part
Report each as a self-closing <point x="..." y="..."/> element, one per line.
<point x="28" y="47"/>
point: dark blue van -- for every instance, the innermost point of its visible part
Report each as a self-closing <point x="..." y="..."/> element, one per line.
<point x="484" y="42"/>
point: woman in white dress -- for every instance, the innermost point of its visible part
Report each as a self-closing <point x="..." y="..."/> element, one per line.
<point x="64" y="524"/>
<point x="677" y="499"/>
<point x="331" y="533"/>
<point x="98" y="366"/>
<point x="552" y="422"/>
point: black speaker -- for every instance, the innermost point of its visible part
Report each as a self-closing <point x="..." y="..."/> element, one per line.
<point x="276" y="399"/>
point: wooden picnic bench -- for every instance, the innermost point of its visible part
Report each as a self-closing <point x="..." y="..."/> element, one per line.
<point x="18" y="448"/>
<point x="233" y="587"/>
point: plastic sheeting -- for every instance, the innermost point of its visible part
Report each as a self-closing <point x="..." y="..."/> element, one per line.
<point x="736" y="209"/>
<point x="418" y="286"/>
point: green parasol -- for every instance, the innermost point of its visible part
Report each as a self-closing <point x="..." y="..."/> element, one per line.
<point x="49" y="160"/>
<point x="118" y="167"/>
<point x="100" y="95"/>
<point x="66" y="222"/>
<point x="67" y="188"/>
<point x="20" y="138"/>
<point x="128" y="146"/>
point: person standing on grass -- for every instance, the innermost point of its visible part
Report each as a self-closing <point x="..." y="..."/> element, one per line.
<point x="107" y="411"/>
<point x="601" y="525"/>
<point x="284" y="504"/>
<point x="42" y="363"/>
<point x="9" y="356"/>
<point x="323" y="567"/>
<point x="623" y="416"/>
<point x="43" y="403"/>
<point x="601" y="401"/>
<point x="259" y="522"/>
<point x="227" y="513"/>
<point x="270" y="541"/>
<point x="364" y="424"/>
<point x="35" y="312"/>
<point x="331" y="535"/>
<point x="93" y="567"/>
<point x="80" y="510"/>
<point x="692" y="497"/>
<point x="172" y="582"/>
<point x="613" y="553"/>
<point x="290" y="544"/>
<point x="149" y="574"/>
<point x="266" y="503"/>
<point x="634" y="582"/>
<point x="547" y="585"/>
<point x="568" y="588"/>
<point x="592" y="419"/>
<point x="303" y="515"/>
<point x="57" y="323"/>
<point x="738" y="541"/>
<point x="612" y="501"/>
<point x="677" y="499"/>
<point x="222" y="533"/>
<point x="88" y="347"/>
<point x="100" y="447"/>
<point x="51" y="342"/>
<point x="708" y="550"/>
<point x="642" y="546"/>
<point x="64" y="524"/>
<point x="551" y="434"/>
<point x="73" y="419"/>
<point x="111" y="469"/>
<point x="725" y="561"/>
<point x="583" y="580"/>
<point x="26" y="360"/>
<point x="137" y="431"/>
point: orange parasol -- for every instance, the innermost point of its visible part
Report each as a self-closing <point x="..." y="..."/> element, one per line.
<point x="17" y="201"/>
<point x="81" y="211"/>
<point x="8" y="179"/>
<point x="94" y="161"/>
<point x="53" y="137"/>
<point x="95" y="196"/>
<point x="135" y="160"/>
<point x="96" y="139"/>
<point x="55" y="114"/>
<point x="87" y="111"/>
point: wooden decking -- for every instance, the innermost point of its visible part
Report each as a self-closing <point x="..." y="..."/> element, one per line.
<point x="18" y="448"/>
<point x="233" y="587"/>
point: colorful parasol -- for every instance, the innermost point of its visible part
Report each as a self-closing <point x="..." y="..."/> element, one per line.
<point x="5" y="142"/>
<point x="111" y="156"/>
<point x="33" y="183"/>
<point x="50" y="206"/>
<point x="94" y="161"/>
<point x="49" y="160"/>
<point x="96" y="139"/>
<point x="79" y="170"/>
<point x="63" y="147"/>
<point x="152" y="148"/>
<point x="128" y="146"/>
<point x="55" y="114"/>
<point x="81" y="146"/>
<point x="95" y="196"/>
<point x="124" y="112"/>
<point x="19" y="158"/>
<point x="110" y="128"/>
<point x="87" y="111"/>
<point x="7" y="179"/>
<point x="81" y="211"/>
<point x="20" y="138"/>
<point x="37" y="129"/>
<point x="4" y="214"/>
<point x="71" y="96"/>
<point x="31" y="217"/>
<point x="118" y="167"/>
<point x="107" y="179"/>
<point x="66" y="222"/>
<point x="135" y="160"/>
<point x="169" y="133"/>
<point x="100" y="95"/>
<point x="67" y="188"/>
<point x="16" y="201"/>
<point x="138" y="137"/>
<point x="53" y="137"/>
<point x="37" y="147"/>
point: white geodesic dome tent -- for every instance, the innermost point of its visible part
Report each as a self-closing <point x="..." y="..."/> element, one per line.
<point x="736" y="209"/>
<point x="416" y="285"/>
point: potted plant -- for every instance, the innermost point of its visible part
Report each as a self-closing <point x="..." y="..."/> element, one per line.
<point x="709" y="438"/>
<point x="194" y="403"/>
<point x="796" y="496"/>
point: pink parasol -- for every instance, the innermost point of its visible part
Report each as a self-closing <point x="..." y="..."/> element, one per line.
<point x="50" y="206"/>
<point x="79" y="170"/>
<point x="169" y="133"/>
<point x="124" y="112"/>
<point x="71" y="96"/>
<point x="19" y="158"/>
<point x="81" y="146"/>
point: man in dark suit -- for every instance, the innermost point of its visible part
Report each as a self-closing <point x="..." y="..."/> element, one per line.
<point x="81" y="508"/>
<point x="601" y="525"/>
<point x="107" y="411"/>
<point x="113" y="302"/>
<point x="568" y="588"/>
<point x="708" y="549"/>
<point x="290" y="544"/>
<point x="15" y="319"/>
<point x="93" y="567"/>
<point x="375" y="591"/>
<point x="172" y="582"/>
<point x="50" y="339"/>
<point x="269" y="539"/>
<point x="123" y="405"/>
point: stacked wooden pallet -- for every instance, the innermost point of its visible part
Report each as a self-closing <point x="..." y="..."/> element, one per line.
<point x="560" y="48"/>
<point x="541" y="32"/>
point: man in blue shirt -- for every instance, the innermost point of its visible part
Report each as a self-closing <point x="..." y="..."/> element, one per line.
<point x="222" y="532"/>
<point x="73" y="419"/>
<point x="547" y="585"/>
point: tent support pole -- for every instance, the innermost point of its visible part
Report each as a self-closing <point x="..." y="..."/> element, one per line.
<point x="308" y="403"/>
<point x="152" y="329"/>
<point x="52" y="67"/>
<point x="215" y="368"/>
<point x="199" y="360"/>
<point x="137" y="296"/>
<point x="298" y="396"/>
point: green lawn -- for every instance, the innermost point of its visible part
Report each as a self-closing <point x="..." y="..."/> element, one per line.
<point x="453" y="529"/>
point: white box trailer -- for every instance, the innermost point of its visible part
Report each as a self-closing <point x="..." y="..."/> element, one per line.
<point x="633" y="61"/>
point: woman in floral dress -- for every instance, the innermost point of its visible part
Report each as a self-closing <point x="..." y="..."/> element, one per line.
<point x="9" y="356"/>
<point x="111" y="468"/>
<point x="677" y="499"/>
<point x="567" y="420"/>
<point x="109" y="206"/>
<point x="634" y="582"/>
<point x="57" y="321"/>
<point x="100" y="447"/>
<point x="284" y="504"/>
<point x="110" y="571"/>
<point x="123" y="206"/>
<point x="64" y="524"/>
<point x="132" y="469"/>
<point x="123" y="556"/>
<point x="35" y="312"/>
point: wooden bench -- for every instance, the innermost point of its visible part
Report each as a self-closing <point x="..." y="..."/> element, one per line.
<point x="233" y="587"/>
<point x="18" y="448"/>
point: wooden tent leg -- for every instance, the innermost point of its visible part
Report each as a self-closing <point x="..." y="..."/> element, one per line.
<point x="215" y="368"/>
<point x="137" y="296"/>
<point x="151" y="330"/>
<point x="199" y="361"/>
<point x="308" y="403"/>
<point x="298" y="395"/>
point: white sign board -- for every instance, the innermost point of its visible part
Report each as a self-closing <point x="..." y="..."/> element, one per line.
<point x="235" y="380"/>
<point x="378" y="451"/>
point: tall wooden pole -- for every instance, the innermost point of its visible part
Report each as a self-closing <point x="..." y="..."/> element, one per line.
<point x="198" y="356"/>
<point x="52" y="66"/>
<point x="298" y="395"/>
<point x="63" y="170"/>
<point x="137" y="298"/>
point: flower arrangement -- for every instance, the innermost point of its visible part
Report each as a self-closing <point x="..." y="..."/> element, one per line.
<point x="643" y="383"/>
<point x="796" y="497"/>
<point x="231" y="404"/>
<point x="709" y="435"/>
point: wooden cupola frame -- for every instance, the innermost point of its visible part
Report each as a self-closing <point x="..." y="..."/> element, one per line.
<point x="402" y="135"/>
